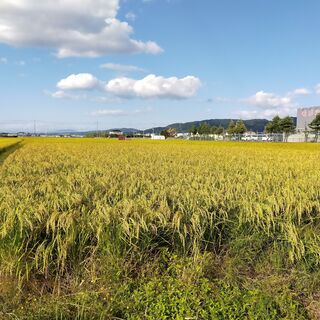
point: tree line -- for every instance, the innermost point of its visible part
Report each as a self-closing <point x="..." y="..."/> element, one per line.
<point x="277" y="125"/>
<point x="286" y="126"/>
<point x="237" y="127"/>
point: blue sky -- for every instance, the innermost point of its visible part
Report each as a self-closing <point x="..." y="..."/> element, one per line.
<point x="142" y="63"/>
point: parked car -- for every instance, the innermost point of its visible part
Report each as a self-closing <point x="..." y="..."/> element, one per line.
<point x="266" y="138"/>
<point x="250" y="138"/>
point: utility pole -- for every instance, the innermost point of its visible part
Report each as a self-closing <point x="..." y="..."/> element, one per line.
<point x="34" y="127"/>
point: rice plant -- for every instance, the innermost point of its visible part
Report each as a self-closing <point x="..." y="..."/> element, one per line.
<point x="5" y="143"/>
<point x="86" y="222"/>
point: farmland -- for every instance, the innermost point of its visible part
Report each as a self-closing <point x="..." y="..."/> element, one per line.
<point x="102" y="229"/>
<point x="5" y="143"/>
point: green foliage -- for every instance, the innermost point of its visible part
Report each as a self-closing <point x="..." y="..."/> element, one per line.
<point x="176" y="298"/>
<point x="193" y="129"/>
<point x="97" y="135"/>
<point x="219" y="130"/>
<point x="205" y="129"/>
<point x="274" y="126"/>
<point x="169" y="133"/>
<point x="256" y="125"/>
<point x="236" y="128"/>
<point x="240" y="127"/>
<point x="286" y="125"/>
<point x="278" y="125"/>
<point x="315" y="126"/>
<point x="231" y="128"/>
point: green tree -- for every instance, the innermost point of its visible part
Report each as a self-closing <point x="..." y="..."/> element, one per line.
<point x="240" y="127"/>
<point x="315" y="126"/>
<point x="220" y="130"/>
<point x="231" y="128"/>
<point x="274" y="125"/>
<point x="287" y="127"/>
<point x="204" y="128"/>
<point x="193" y="129"/>
<point x="213" y="130"/>
<point x="169" y="133"/>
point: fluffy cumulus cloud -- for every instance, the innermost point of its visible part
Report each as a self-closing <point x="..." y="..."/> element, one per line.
<point x="81" y="81"/>
<point x="268" y="100"/>
<point x="267" y="113"/>
<point x="154" y="87"/>
<point x="267" y="105"/>
<point x="299" y="92"/>
<point x="75" y="28"/>
<point x="149" y="87"/>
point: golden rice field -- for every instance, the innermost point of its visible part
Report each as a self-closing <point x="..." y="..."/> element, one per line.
<point x="6" y="142"/>
<point x="103" y="229"/>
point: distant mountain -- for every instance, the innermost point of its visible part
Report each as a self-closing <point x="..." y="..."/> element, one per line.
<point x="124" y="130"/>
<point x="64" y="131"/>
<point x="256" y="125"/>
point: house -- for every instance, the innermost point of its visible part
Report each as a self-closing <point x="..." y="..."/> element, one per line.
<point x="157" y="137"/>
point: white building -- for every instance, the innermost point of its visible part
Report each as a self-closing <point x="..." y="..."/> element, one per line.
<point x="157" y="137"/>
<point x="305" y="117"/>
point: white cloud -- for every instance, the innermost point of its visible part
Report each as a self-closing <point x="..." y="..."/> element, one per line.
<point x="149" y="87"/>
<point x="63" y="95"/>
<point x="267" y="113"/>
<point x="21" y="63"/>
<point x="81" y="81"/>
<point x="3" y="60"/>
<point x="109" y="112"/>
<point x="299" y="92"/>
<point x="223" y="100"/>
<point x="121" y="67"/>
<point x="118" y="112"/>
<point x="75" y="28"/>
<point x="60" y="94"/>
<point x="269" y="104"/>
<point x="106" y="99"/>
<point x="131" y="16"/>
<point x="317" y="88"/>
<point x="154" y="87"/>
<point x="268" y="100"/>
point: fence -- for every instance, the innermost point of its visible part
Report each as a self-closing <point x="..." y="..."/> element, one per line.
<point x="256" y="137"/>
